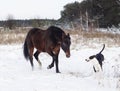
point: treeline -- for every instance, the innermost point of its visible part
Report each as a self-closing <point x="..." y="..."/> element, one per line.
<point x="13" y="23"/>
<point x="98" y="13"/>
<point x="104" y="12"/>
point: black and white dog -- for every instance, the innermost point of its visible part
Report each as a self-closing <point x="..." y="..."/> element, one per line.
<point x="97" y="60"/>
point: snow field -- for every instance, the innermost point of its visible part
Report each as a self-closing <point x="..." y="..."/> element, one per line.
<point x="76" y="74"/>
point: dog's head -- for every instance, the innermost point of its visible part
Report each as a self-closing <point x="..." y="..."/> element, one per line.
<point x="90" y="58"/>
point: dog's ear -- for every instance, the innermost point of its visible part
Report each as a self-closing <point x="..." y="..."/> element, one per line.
<point x="91" y="57"/>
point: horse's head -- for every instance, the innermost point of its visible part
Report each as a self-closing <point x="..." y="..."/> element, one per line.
<point x="65" y="45"/>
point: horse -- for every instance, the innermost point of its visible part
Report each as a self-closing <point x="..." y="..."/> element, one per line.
<point x="49" y="41"/>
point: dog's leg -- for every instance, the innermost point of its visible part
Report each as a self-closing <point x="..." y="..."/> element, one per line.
<point x="94" y="69"/>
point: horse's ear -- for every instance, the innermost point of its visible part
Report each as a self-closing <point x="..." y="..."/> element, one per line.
<point x="59" y="42"/>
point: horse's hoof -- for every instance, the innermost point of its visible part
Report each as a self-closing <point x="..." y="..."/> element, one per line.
<point x="49" y="67"/>
<point x="32" y="68"/>
<point x="58" y="72"/>
<point x="40" y="67"/>
<point x="40" y="64"/>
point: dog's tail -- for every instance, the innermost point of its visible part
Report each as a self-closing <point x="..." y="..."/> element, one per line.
<point x="102" y="48"/>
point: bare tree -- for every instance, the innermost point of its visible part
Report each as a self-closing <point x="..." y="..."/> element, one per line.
<point x="10" y="22"/>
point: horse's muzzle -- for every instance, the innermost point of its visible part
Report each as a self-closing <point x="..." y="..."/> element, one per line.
<point x="67" y="54"/>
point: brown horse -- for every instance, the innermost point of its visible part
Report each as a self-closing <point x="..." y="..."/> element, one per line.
<point x="49" y="41"/>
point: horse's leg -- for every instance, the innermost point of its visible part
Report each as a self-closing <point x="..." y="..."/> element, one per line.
<point x="31" y="56"/>
<point x="54" y="54"/>
<point x="51" y="65"/>
<point x="36" y="57"/>
<point x="56" y="63"/>
<point x="55" y="59"/>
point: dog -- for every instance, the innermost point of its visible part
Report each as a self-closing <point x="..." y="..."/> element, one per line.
<point x="97" y="60"/>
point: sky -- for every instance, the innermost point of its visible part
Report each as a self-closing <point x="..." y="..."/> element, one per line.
<point x="31" y="9"/>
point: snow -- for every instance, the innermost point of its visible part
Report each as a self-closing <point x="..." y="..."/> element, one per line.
<point x="112" y="30"/>
<point x="76" y="74"/>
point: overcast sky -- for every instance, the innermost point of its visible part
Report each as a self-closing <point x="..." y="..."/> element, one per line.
<point x="26" y="9"/>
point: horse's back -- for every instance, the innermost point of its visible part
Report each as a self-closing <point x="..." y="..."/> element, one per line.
<point x="55" y="34"/>
<point x="34" y="31"/>
<point x="35" y="37"/>
<point x="55" y="31"/>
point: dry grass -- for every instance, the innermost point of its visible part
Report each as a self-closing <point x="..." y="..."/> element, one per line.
<point x="17" y="36"/>
<point x="13" y="36"/>
<point x="92" y="37"/>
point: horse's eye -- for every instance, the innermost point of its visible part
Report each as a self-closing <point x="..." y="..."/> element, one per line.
<point x="64" y="43"/>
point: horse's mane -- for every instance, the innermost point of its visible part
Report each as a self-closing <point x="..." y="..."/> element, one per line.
<point x="55" y="34"/>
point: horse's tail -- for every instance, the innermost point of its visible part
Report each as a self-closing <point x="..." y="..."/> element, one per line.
<point x="25" y="50"/>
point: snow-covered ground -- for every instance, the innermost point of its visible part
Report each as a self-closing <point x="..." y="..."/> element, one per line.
<point x="76" y="74"/>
